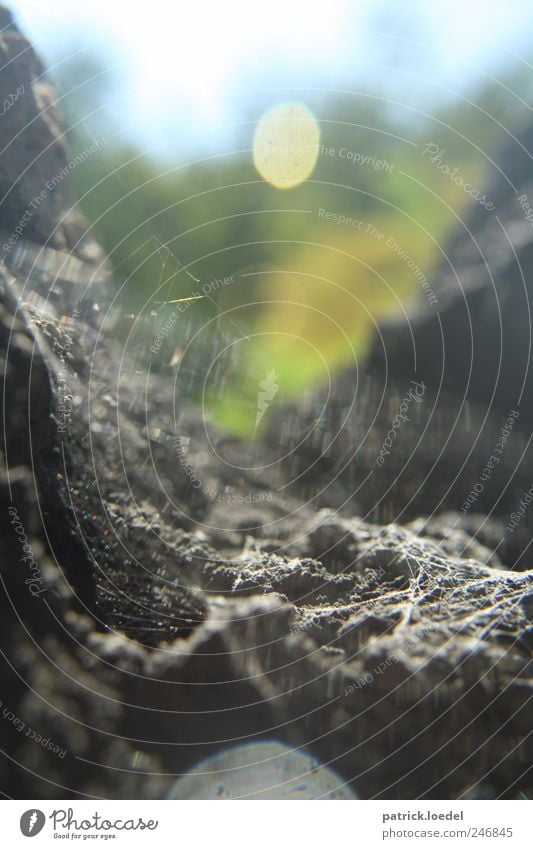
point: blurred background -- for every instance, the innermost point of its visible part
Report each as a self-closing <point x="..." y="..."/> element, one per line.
<point x="294" y="168"/>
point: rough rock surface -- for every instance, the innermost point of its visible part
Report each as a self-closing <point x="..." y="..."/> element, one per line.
<point x="154" y="624"/>
<point x="398" y="655"/>
<point x="34" y="156"/>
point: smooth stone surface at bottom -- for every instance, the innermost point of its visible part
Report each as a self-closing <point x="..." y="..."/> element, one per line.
<point x="266" y="770"/>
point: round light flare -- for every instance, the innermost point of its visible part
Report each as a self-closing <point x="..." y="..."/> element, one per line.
<point x="286" y="145"/>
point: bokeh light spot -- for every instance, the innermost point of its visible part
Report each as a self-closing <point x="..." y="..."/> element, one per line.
<point x="286" y="145"/>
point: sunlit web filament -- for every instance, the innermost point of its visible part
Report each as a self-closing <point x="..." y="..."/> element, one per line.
<point x="180" y="300"/>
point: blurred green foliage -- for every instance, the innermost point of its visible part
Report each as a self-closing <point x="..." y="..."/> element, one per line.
<point x="306" y="289"/>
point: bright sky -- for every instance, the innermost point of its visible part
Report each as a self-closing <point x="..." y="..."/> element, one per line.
<point x="193" y="63"/>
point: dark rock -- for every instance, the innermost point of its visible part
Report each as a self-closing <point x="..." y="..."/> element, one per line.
<point x="34" y="155"/>
<point x="475" y="341"/>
